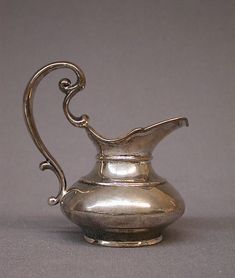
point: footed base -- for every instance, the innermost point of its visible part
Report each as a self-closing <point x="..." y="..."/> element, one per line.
<point x="124" y="243"/>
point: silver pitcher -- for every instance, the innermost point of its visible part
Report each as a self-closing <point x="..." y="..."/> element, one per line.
<point x="122" y="202"/>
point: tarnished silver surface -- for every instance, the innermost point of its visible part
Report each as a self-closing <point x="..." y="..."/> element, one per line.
<point x="122" y="202"/>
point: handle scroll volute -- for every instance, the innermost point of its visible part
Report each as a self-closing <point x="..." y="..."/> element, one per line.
<point x="70" y="90"/>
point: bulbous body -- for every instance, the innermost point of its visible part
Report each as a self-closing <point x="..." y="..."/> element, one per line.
<point x="122" y="202"/>
<point x="122" y="216"/>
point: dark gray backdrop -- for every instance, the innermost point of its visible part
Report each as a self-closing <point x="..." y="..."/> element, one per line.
<point x="145" y="61"/>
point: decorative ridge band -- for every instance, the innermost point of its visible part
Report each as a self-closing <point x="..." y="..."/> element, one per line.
<point x="122" y="183"/>
<point x="134" y="158"/>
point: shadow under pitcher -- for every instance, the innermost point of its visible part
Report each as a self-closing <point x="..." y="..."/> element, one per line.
<point x="122" y="202"/>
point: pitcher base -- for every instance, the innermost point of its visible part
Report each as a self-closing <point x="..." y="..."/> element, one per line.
<point x="124" y="243"/>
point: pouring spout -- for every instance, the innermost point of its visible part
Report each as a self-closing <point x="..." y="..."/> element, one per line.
<point x="139" y="142"/>
<point x="157" y="132"/>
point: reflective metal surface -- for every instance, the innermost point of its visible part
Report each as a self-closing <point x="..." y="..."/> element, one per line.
<point x="122" y="202"/>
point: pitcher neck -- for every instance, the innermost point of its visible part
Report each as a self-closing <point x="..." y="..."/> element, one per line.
<point x="123" y="170"/>
<point x="124" y="158"/>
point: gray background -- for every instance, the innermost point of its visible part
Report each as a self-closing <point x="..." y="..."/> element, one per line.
<point x="145" y="61"/>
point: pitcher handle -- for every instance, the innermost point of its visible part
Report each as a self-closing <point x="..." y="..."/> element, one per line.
<point x="70" y="90"/>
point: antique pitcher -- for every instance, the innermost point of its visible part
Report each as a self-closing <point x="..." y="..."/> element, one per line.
<point x="122" y="202"/>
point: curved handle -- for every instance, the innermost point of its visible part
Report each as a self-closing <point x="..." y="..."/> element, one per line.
<point x="70" y="90"/>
